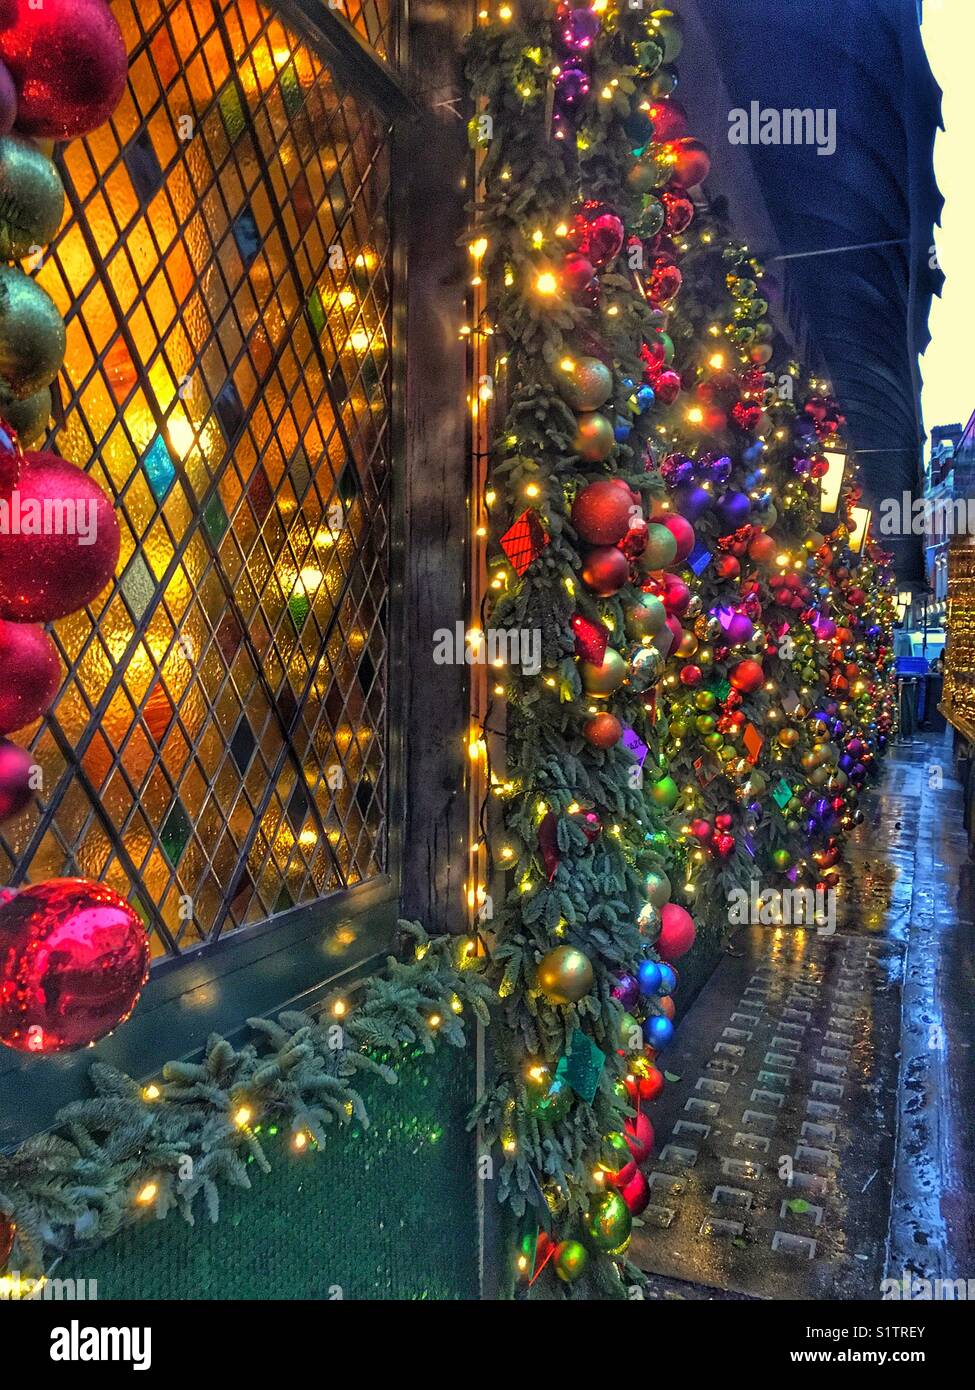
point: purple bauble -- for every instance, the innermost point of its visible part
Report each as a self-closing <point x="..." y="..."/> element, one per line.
<point x="858" y="772"/>
<point x="693" y="502"/>
<point x="8" y="101"/>
<point x="734" y="509"/>
<point x="811" y="826"/>
<point x="846" y="763"/>
<point x="578" y="29"/>
<point x="800" y="466"/>
<point x="571" y="86"/>
<point x="627" y="991"/>
<point x="720" y="469"/>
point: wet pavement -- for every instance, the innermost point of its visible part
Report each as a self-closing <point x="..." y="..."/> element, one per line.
<point x="817" y="1136"/>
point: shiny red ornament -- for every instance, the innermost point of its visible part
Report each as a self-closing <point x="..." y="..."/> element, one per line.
<point x="577" y="272"/>
<point x="723" y="845"/>
<point x="592" y="639"/>
<point x="68" y="62"/>
<point x="644" y="1088"/>
<point x="602" y="511"/>
<point x="727" y="567"/>
<point x="701" y="830"/>
<point x="663" y="284"/>
<point x="747" y="676"/>
<point x="677" y="932"/>
<point x="635" y="1192"/>
<point x="598" y="233"/>
<point x="669" y="118"/>
<point x="30" y="674"/>
<point x="679" y="212"/>
<point x="667" y="387"/>
<point x="691" y="675"/>
<point x="676" y="595"/>
<point x="605" y="571"/>
<point x="7" y="1232"/>
<point x="637" y="538"/>
<point x="683" y="533"/>
<point x="639" y="1137"/>
<point x="62" y="540"/>
<point x="74" y="957"/>
<point x="15" y="775"/>
<point x="692" y="163"/>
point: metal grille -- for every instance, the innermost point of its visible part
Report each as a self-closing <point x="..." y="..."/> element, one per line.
<point x="217" y="752"/>
<point x="375" y="21"/>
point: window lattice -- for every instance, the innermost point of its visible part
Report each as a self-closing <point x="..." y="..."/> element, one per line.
<point x="217" y="752"/>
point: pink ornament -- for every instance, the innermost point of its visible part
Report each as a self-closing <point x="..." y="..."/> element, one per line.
<point x="639" y="1137"/>
<point x="683" y="533"/>
<point x="677" y="932"/>
<point x="15" y="774"/>
<point x="30" y="674"/>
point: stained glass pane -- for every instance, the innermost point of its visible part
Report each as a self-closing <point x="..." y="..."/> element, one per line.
<point x="218" y="750"/>
<point x="375" y="21"/>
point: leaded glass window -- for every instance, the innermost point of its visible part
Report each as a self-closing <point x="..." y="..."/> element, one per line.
<point x="218" y="752"/>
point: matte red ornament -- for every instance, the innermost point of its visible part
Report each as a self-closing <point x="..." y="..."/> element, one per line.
<point x="15" y="774"/>
<point x="68" y="62"/>
<point x="61" y="539"/>
<point x="74" y="957"/>
<point x="30" y="674"/>
<point x="602" y="511"/>
<point x="606" y="570"/>
<point x="639" y="1137"/>
<point x="603" y="730"/>
<point x="677" y="932"/>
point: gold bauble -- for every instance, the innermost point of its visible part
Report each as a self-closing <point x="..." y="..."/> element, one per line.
<point x="564" y="975"/>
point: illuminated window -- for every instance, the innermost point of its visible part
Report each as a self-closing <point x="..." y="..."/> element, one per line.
<point x="218" y="751"/>
<point x="375" y="21"/>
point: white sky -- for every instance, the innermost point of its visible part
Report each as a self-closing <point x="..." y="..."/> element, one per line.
<point x="948" y="366"/>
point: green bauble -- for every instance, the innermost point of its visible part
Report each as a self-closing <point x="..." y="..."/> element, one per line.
<point x="714" y="741"/>
<point x="547" y="1098"/>
<point x="782" y="859"/>
<point x="665" y="792"/>
<point x="32" y="340"/>
<point x="594" y="441"/>
<point x="704" y="723"/>
<point x="642" y="176"/>
<point x="678" y="727"/>
<point x="705" y="699"/>
<point x="30" y="418"/>
<point x="31" y="199"/>
<point x="645" y="618"/>
<point x="629" y="1034"/>
<point x="651" y="218"/>
<point x="570" y="1260"/>
<point x="600" y="681"/>
<point x="661" y="548"/>
<point x="564" y="975"/>
<point x="609" y="1223"/>
<point x="656" y="886"/>
<point x="667" y="29"/>
<point x="587" y="385"/>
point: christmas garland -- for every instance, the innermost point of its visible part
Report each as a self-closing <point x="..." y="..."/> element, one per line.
<point x="143" y="1150"/>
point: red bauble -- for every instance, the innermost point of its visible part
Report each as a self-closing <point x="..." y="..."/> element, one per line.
<point x="635" y="1192"/>
<point x="73" y="959"/>
<point x="676" y="595"/>
<point x="603" y="731"/>
<point x="701" y="829"/>
<point x="683" y="533"/>
<point x="677" y="932"/>
<point x="669" y="119"/>
<point x="663" y="283"/>
<point x="762" y="549"/>
<point x="667" y="387"/>
<point x="691" y="675"/>
<point x="49" y="575"/>
<point x="30" y="673"/>
<point x="692" y="163"/>
<point x="644" y="1088"/>
<point x="727" y="567"/>
<point x="68" y="62"/>
<point x="747" y="676"/>
<point x="602" y="511"/>
<point x="577" y="272"/>
<point x="7" y="1232"/>
<point x="606" y="571"/>
<point x="15" y="788"/>
<point x="679" y="212"/>
<point x="639" y="1137"/>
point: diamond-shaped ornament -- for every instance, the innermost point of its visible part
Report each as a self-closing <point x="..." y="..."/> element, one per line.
<point x="582" y="1066"/>
<point x="524" y="541"/>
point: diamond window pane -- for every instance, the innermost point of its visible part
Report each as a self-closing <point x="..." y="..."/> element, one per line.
<point x="224" y="269"/>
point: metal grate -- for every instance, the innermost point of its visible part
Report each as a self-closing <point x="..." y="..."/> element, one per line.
<point x="218" y="751"/>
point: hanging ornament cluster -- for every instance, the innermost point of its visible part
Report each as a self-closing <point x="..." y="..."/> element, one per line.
<point x="73" y="955"/>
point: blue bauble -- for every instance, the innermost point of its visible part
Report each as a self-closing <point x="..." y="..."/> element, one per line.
<point x="657" y="1031"/>
<point x="649" y="977"/>
<point x="644" y="398"/>
<point x="622" y="430"/>
<point x="754" y="451"/>
<point x="734" y="509"/>
<point x="668" y="978"/>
